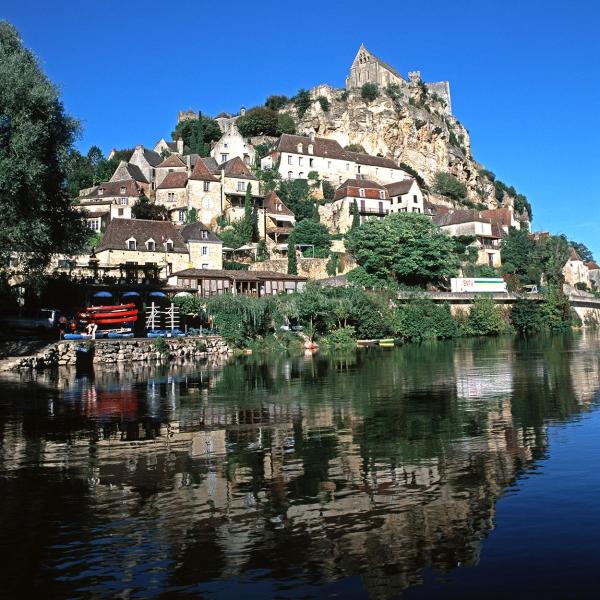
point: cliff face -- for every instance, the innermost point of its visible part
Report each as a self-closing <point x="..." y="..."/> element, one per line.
<point x="412" y="126"/>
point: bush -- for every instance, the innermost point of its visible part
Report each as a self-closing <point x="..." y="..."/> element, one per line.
<point x="343" y="337"/>
<point x="422" y="319"/>
<point x="285" y="124"/>
<point x="355" y="148"/>
<point x="302" y="101"/>
<point x="449" y="186"/>
<point x="309" y="231"/>
<point x="369" y="92"/>
<point x="412" y="171"/>
<point x="487" y="174"/>
<point x="276" y="102"/>
<point x="485" y="318"/>
<point x="328" y="190"/>
<point x="526" y="316"/>
<point x="324" y="103"/>
<point x="393" y="91"/>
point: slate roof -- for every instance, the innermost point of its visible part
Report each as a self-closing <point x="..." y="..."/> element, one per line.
<point x="118" y="231"/>
<point x="458" y="217"/>
<point x="211" y="164"/>
<point x="171" y="161"/>
<point x="399" y="188"/>
<point x="193" y="231"/>
<point x="321" y="146"/>
<point x="272" y="202"/>
<point x="372" y="161"/>
<point x="154" y="158"/>
<point x="173" y="180"/>
<point x="236" y="168"/>
<point x="126" y="171"/>
<point x="113" y="189"/>
<point x="202" y="173"/>
<point x="350" y="188"/>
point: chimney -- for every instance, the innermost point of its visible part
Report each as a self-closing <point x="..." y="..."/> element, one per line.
<point x="180" y="145"/>
<point x="312" y="136"/>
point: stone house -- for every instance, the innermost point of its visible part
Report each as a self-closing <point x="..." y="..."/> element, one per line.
<point x="505" y="217"/>
<point x="171" y="164"/>
<point x="372" y="201"/>
<point x="172" y="193"/>
<point x="126" y="171"/>
<point x="488" y="235"/>
<point x="233" y="144"/>
<point x="163" y="145"/>
<point x="405" y="196"/>
<point x="279" y="222"/>
<point x="204" y="247"/>
<point x="575" y="270"/>
<point x="146" y="160"/>
<point x="204" y="191"/>
<point x="154" y="247"/>
<point x="107" y="201"/>
<point x="235" y="178"/>
<point x="594" y="274"/>
<point x="295" y="156"/>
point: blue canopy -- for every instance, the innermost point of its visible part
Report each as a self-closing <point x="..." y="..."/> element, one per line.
<point x="102" y="295"/>
<point x="157" y="295"/>
<point x="131" y="295"/>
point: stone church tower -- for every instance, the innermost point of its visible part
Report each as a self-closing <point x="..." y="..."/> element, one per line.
<point x="367" y="68"/>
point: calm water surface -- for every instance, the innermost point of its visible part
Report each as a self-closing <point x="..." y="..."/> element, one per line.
<point x="467" y="470"/>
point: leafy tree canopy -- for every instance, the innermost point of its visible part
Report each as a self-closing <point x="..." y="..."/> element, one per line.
<point x="36" y="138"/>
<point x="265" y="121"/>
<point x="515" y="252"/>
<point x="448" y="185"/>
<point x="197" y="134"/>
<point x="144" y="209"/>
<point x="296" y="195"/>
<point x="405" y="247"/>
<point x="355" y="148"/>
<point x="276" y="102"/>
<point x="309" y="231"/>
<point x="369" y="92"/>
<point x="302" y="102"/>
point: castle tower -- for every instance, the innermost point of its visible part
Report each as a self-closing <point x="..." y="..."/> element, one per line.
<point x="367" y="68"/>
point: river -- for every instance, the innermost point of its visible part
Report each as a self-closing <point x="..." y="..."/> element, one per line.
<point x="462" y="469"/>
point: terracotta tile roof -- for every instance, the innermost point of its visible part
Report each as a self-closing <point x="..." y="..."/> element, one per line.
<point x="573" y="254"/>
<point x="171" y="161"/>
<point x="591" y="265"/>
<point x="503" y="216"/>
<point x="351" y="189"/>
<point x="274" y="205"/>
<point x="321" y="146"/>
<point x="202" y="173"/>
<point x="238" y="275"/>
<point x="237" y="169"/>
<point x="110" y="189"/>
<point x="435" y="209"/>
<point x="372" y="161"/>
<point x="194" y="232"/>
<point x="399" y="188"/>
<point x="118" y="231"/>
<point x="175" y="179"/>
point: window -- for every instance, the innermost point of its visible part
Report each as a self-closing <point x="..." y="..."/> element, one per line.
<point x="94" y="224"/>
<point x="329" y="164"/>
<point x="150" y="245"/>
<point x="300" y="148"/>
<point x="100" y="191"/>
<point x="310" y="149"/>
<point x="124" y="201"/>
<point x="207" y="203"/>
<point x="131" y="244"/>
<point x="122" y="190"/>
<point x="241" y="186"/>
<point x="204" y="250"/>
<point x="181" y="215"/>
<point x="300" y="159"/>
<point x="171" y="196"/>
<point x="290" y="174"/>
<point x="301" y="175"/>
<point x="205" y="265"/>
<point x="224" y="157"/>
<point x="225" y="145"/>
<point x="376" y="171"/>
<point x="382" y="194"/>
<point x="358" y="169"/>
<point x="347" y="166"/>
<point x="416" y="210"/>
<point x="169" y="246"/>
<point x="204" y="234"/>
<point x="289" y="159"/>
<point x="415" y="199"/>
<point x="340" y="179"/>
<point x="311" y="162"/>
<point x="206" y="185"/>
<point x="361" y="192"/>
<point x="121" y="212"/>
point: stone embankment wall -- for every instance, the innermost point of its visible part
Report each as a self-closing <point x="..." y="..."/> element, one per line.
<point x="313" y="268"/>
<point x="120" y="351"/>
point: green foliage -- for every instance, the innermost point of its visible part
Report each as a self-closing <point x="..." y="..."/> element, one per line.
<point x="269" y="179"/>
<point x="343" y="96"/>
<point x="359" y="277"/>
<point x="309" y="231"/>
<point x="448" y="185"/>
<point x="394" y="92"/>
<point x="550" y="255"/>
<point x="258" y="121"/>
<point x="516" y="252"/>
<point x="145" y="209"/>
<point x="527" y="316"/>
<point x="296" y="195"/>
<point x="556" y="309"/>
<point x="234" y="265"/>
<point x="487" y="174"/>
<point x="328" y="190"/>
<point x="276" y="102"/>
<point x="302" y="102"/>
<point x="412" y="171"/>
<point x="345" y="337"/>
<point x="404" y="247"/>
<point x="480" y="270"/>
<point x="453" y="139"/>
<point x="189" y="305"/>
<point x="334" y="263"/>
<point x="262" y="252"/>
<point x="369" y="92"/>
<point x="485" y="318"/>
<point x="355" y="148"/>
<point x="285" y="124"/>
<point x="197" y="134"/>
<point x="262" y="150"/>
<point x="499" y="189"/>
<point x="191" y="216"/>
<point x="355" y="216"/>
<point x="324" y="103"/>
<point x="36" y="138"/>
<point x="584" y="252"/>
<point x="161" y="345"/>
<point x="292" y="259"/>
<point x="522" y="205"/>
<point x="422" y="319"/>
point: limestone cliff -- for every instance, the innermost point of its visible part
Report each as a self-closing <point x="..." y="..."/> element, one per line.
<point x="409" y="124"/>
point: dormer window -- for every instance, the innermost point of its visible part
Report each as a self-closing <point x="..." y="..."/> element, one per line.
<point x="100" y="191"/>
<point x="361" y="192"/>
<point x="150" y="245"/>
<point x="131" y="244"/>
<point x="169" y="245"/>
<point x="122" y="190"/>
<point x="382" y="194"/>
<point x="310" y="149"/>
<point x="300" y="150"/>
<point x="204" y="235"/>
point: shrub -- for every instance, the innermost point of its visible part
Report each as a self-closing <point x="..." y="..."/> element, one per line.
<point x="393" y="91"/>
<point x="485" y="318"/>
<point x="369" y="92"/>
<point x="324" y="103"/>
<point x="526" y="316"/>
<point x="328" y="190"/>
<point x="355" y="148"/>
<point x="422" y="319"/>
<point x="487" y="174"/>
<point x="285" y="124"/>
<point x="412" y="171"/>
<point x="302" y="101"/>
<point x="449" y="186"/>
<point x="276" y="102"/>
<point x="343" y="337"/>
<point x="309" y="231"/>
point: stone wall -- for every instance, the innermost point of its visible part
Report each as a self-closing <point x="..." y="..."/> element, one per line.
<point x="120" y="351"/>
<point x="313" y="268"/>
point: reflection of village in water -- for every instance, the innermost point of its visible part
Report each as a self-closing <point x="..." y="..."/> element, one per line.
<point x="314" y="468"/>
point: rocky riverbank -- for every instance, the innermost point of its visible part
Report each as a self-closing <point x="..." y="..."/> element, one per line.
<point x="118" y="351"/>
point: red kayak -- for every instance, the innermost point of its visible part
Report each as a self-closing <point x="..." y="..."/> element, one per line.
<point x="110" y="315"/>
<point x="110" y="308"/>
<point x="115" y="320"/>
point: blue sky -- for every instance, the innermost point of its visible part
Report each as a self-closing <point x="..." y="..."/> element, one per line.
<point x="524" y="75"/>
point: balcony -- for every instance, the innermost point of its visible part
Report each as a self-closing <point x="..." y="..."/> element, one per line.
<point x="380" y="212"/>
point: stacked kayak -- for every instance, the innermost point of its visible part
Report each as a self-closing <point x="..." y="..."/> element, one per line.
<point x="110" y="315"/>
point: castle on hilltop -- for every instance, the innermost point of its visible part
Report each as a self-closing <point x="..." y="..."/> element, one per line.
<point x="367" y="68"/>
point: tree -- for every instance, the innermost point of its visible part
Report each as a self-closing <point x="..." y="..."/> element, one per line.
<point x="551" y="253"/>
<point x="328" y="190"/>
<point x="405" y="247"/>
<point x="302" y="102"/>
<point x="355" y="148"/>
<point x="296" y="195"/>
<point x="526" y="316"/>
<point x="313" y="233"/>
<point x="197" y="134"/>
<point x="448" y="185"/>
<point x="355" y="215"/>
<point x="247" y="225"/>
<point x="516" y="252"/>
<point x="36" y="137"/>
<point x="584" y="252"/>
<point x="262" y="252"/>
<point x="412" y="171"/>
<point x="276" y="102"/>
<point x="324" y="103"/>
<point x="191" y="216"/>
<point x="292" y="260"/>
<point x="261" y="120"/>
<point x="369" y="92"/>
<point x="144" y="209"/>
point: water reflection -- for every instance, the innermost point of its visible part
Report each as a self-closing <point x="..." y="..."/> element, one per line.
<point x="286" y="476"/>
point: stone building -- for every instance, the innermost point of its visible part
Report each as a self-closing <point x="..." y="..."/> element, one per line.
<point x="405" y="196"/>
<point x="233" y="144"/>
<point x="235" y="179"/>
<point x="204" y="191"/>
<point x="163" y="145"/>
<point x="368" y="68"/>
<point x="279" y="222"/>
<point x="126" y="171"/>
<point x="172" y="193"/>
<point x="146" y="160"/>
<point x="204" y="247"/>
<point x="171" y="164"/>
<point x="575" y="270"/>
